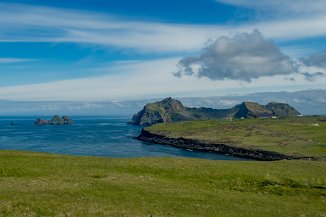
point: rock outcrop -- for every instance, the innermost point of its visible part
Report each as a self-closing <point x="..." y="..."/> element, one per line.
<point x="171" y="110"/>
<point x="55" y="120"/>
<point x="251" y="110"/>
<point x="282" y="109"/>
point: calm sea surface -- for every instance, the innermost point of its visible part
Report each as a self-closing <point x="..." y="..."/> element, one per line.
<point x="90" y="136"/>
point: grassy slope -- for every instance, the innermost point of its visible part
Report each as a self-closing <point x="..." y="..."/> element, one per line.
<point x="292" y="136"/>
<point x="33" y="184"/>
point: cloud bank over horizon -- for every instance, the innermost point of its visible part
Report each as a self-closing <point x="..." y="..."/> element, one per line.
<point x="309" y="102"/>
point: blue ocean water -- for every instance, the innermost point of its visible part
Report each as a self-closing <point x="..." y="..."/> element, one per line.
<point x="89" y="136"/>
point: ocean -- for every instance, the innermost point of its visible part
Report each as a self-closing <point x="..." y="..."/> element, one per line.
<point x="108" y="136"/>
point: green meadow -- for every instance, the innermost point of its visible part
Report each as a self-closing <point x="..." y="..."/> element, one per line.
<point x="39" y="184"/>
<point x="35" y="184"/>
<point x="297" y="136"/>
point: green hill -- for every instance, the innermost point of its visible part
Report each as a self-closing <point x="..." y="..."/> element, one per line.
<point x="170" y="110"/>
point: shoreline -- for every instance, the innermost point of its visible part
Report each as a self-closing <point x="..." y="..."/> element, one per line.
<point x="196" y="145"/>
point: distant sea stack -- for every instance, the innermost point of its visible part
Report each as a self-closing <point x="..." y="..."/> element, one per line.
<point x="55" y="120"/>
<point x="171" y="110"/>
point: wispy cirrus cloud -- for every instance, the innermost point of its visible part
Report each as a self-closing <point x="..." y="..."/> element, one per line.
<point x="15" y="60"/>
<point x="24" y="23"/>
<point x="137" y="79"/>
<point x="282" y="7"/>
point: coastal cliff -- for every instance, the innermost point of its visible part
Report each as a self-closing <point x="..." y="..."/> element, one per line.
<point x="196" y="145"/>
<point x="171" y="110"/>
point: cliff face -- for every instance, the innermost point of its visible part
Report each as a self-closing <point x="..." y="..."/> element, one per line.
<point x="282" y="109"/>
<point x="167" y="110"/>
<point x="252" y="110"/>
<point x="196" y="145"/>
<point x="170" y="110"/>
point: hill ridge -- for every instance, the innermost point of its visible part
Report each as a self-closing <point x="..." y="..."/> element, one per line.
<point x="171" y="110"/>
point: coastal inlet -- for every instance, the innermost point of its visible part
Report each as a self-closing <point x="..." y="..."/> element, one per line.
<point x="108" y="136"/>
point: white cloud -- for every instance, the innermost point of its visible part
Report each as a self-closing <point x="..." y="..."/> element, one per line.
<point x="244" y="57"/>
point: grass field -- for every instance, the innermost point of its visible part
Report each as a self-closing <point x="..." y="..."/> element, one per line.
<point x="294" y="136"/>
<point x="33" y="184"/>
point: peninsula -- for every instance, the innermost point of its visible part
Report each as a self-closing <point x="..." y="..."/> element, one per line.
<point x="256" y="138"/>
<point x="274" y="131"/>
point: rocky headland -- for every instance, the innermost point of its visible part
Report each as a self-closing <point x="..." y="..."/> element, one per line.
<point x="171" y="110"/>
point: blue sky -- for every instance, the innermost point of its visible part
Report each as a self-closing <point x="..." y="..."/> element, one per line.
<point x="182" y="11"/>
<point x="114" y="50"/>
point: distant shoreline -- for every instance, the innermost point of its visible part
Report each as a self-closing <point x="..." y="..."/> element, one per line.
<point x="197" y="145"/>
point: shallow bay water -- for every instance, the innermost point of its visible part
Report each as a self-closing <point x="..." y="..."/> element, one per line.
<point x="108" y="136"/>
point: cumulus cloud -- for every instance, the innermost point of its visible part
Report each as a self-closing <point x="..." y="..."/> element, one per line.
<point x="312" y="76"/>
<point x="313" y="66"/>
<point x="318" y="60"/>
<point x="243" y="56"/>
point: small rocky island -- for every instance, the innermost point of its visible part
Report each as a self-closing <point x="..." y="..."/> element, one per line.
<point x="171" y="110"/>
<point x="55" y="120"/>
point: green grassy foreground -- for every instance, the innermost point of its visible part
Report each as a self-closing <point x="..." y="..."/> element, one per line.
<point x="294" y="136"/>
<point x="33" y="184"/>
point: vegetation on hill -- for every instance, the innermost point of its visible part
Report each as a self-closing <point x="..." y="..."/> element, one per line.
<point x="296" y="136"/>
<point x="33" y="184"/>
<point x="170" y="110"/>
